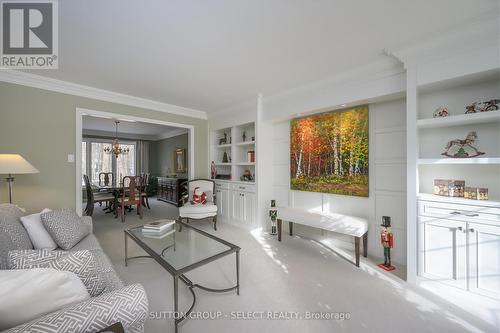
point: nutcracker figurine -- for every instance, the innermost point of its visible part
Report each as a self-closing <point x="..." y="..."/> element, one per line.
<point x="387" y="241"/>
<point x="273" y="213"/>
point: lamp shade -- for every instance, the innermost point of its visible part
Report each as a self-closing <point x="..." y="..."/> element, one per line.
<point x="15" y="164"/>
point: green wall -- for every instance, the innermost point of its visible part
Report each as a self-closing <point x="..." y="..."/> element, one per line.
<point x="161" y="154"/>
<point x="41" y="126"/>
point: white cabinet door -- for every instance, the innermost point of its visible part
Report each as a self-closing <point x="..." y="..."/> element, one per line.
<point x="249" y="207"/>
<point x="237" y="206"/>
<point x="225" y="203"/>
<point x="484" y="254"/>
<point x="219" y="202"/>
<point x="222" y="203"/>
<point x="443" y="250"/>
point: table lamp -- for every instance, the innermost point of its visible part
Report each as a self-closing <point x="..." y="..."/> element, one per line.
<point x="14" y="164"/>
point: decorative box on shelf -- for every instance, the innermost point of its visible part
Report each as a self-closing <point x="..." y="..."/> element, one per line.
<point x="470" y="193"/>
<point x="251" y="156"/>
<point x="476" y="193"/>
<point x="449" y="188"/>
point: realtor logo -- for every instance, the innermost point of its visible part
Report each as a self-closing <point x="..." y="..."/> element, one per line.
<point x="29" y="34"/>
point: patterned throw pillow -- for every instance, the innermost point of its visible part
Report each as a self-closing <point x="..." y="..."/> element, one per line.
<point x="82" y="263"/>
<point x="65" y="227"/>
<point x="13" y="236"/>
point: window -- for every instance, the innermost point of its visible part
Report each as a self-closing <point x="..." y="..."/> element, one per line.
<point x="100" y="161"/>
<point x="95" y="160"/>
<point x="125" y="164"/>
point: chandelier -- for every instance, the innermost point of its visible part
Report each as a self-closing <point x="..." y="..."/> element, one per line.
<point x="115" y="147"/>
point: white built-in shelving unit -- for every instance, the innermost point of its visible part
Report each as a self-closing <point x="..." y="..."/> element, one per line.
<point x="434" y="133"/>
<point x="240" y="141"/>
<point x="451" y="239"/>
<point x="236" y="198"/>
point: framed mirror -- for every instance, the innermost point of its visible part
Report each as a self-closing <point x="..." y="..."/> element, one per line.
<point x="180" y="160"/>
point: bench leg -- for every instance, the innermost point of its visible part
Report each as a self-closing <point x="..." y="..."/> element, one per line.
<point x="279" y="230"/>
<point x="365" y="245"/>
<point x="290" y="228"/>
<point x="356" y="249"/>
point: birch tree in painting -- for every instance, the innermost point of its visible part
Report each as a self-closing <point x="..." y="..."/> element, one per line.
<point x="329" y="153"/>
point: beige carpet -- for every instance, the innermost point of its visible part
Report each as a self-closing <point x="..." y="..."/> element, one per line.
<point x="294" y="276"/>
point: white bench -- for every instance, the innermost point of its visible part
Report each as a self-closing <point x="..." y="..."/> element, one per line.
<point x="348" y="225"/>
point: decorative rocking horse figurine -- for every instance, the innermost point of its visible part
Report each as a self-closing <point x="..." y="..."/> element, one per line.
<point x="491" y="105"/>
<point x="462" y="148"/>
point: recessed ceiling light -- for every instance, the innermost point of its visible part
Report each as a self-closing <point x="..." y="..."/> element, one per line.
<point x="342" y="105"/>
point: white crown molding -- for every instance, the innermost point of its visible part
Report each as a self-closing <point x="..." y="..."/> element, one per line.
<point x="479" y="33"/>
<point x="111" y="135"/>
<point x="171" y="134"/>
<point x="41" y="82"/>
<point x="380" y="68"/>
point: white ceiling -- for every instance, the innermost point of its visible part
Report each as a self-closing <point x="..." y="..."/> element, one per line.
<point x="106" y="126"/>
<point x="209" y="54"/>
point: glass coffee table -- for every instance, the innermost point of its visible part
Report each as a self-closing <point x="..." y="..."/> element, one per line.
<point x="180" y="251"/>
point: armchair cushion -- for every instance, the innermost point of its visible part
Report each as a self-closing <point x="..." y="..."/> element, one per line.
<point x="65" y="227"/>
<point x="128" y="305"/>
<point x="190" y="209"/>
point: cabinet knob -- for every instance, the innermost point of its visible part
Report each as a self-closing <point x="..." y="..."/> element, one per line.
<point x="460" y="228"/>
<point x="471" y="230"/>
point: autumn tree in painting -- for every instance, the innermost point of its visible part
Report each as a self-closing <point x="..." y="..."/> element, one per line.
<point x="329" y="153"/>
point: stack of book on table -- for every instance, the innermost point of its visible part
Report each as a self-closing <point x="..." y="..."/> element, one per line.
<point x="159" y="229"/>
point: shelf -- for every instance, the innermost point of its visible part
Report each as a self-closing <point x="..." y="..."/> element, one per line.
<point x="478" y="160"/>
<point x="464" y="119"/>
<point x="234" y="181"/>
<point x="245" y="143"/>
<point x="228" y="163"/>
<point x="228" y="145"/>
<point x="245" y="163"/>
<point x="462" y="201"/>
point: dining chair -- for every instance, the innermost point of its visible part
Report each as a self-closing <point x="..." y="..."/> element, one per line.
<point x="129" y="196"/>
<point x="144" y="189"/>
<point x="106" y="179"/>
<point x="93" y="198"/>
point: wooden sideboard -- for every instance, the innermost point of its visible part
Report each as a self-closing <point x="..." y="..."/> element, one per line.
<point x="170" y="190"/>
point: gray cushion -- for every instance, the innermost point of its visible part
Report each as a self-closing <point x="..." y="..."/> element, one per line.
<point x="13" y="236"/>
<point x="82" y="263"/>
<point x="65" y="227"/>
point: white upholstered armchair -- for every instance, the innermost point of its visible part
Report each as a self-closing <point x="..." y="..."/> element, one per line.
<point x="199" y="211"/>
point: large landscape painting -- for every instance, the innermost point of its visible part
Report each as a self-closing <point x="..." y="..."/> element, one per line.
<point x="329" y="152"/>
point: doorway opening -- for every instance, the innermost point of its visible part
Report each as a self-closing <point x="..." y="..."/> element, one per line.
<point x="122" y="145"/>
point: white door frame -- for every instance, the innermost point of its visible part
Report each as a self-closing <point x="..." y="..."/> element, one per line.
<point x="80" y="112"/>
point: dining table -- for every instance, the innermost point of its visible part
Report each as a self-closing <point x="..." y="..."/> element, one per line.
<point x="113" y="188"/>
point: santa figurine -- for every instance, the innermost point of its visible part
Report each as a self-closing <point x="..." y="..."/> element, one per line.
<point x="199" y="197"/>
